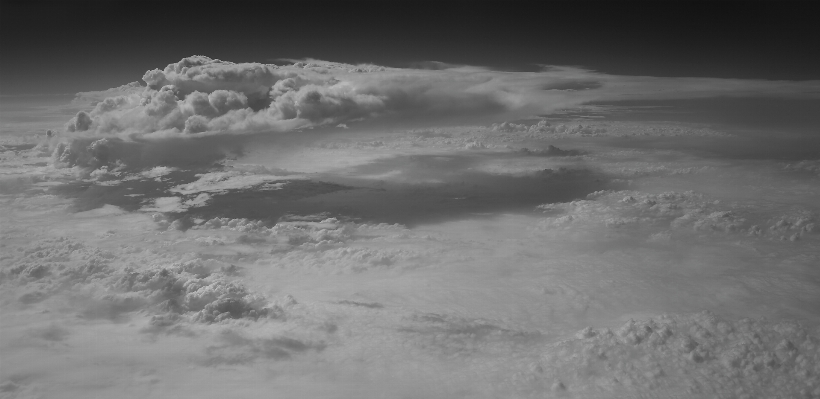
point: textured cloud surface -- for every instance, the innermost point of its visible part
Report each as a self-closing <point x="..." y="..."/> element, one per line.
<point x="199" y="95"/>
<point x="442" y="232"/>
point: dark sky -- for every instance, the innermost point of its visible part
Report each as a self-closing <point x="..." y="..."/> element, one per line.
<point x="68" y="46"/>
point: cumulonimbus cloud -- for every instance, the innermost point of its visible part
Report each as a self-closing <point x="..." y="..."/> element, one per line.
<point x="203" y="96"/>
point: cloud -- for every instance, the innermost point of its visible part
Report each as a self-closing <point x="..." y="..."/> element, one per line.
<point x="199" y="73"/>
<point x="435" y="65"/>
<point x="219" y="182"/>
<point x="668" y="215"/>
<point x="93" y="97"/>
<point x="572" y="85"/>
<point x="81" y="122"/>
<point x="114" y="153"/>
<point x="642" y="353"/>
<point x="197" y="289"/>
<point x="236" y="348"/>
<point x="323" y="103"/>
<point x="199" y="96"/>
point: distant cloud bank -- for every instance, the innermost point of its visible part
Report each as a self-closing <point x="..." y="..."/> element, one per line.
<point x="202" y="96"/>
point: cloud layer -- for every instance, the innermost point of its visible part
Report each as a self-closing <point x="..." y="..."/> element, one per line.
<point x="199" y="95"/>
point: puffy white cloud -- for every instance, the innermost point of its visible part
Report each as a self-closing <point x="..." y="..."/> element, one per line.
<point x="199" y="73"/>
<point x="642" y="353"/>
<point x="109" y="104"/>
<point x="94" y="97"/>
<point x="200" y="95"/>
<point x="196" y="124"/>
<point x="196" y="289"/>
<point x="667" y="215"/>
<point x="218" y="102"/>
<point x="81" y="122"/>
<point x="319" y="104"/>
